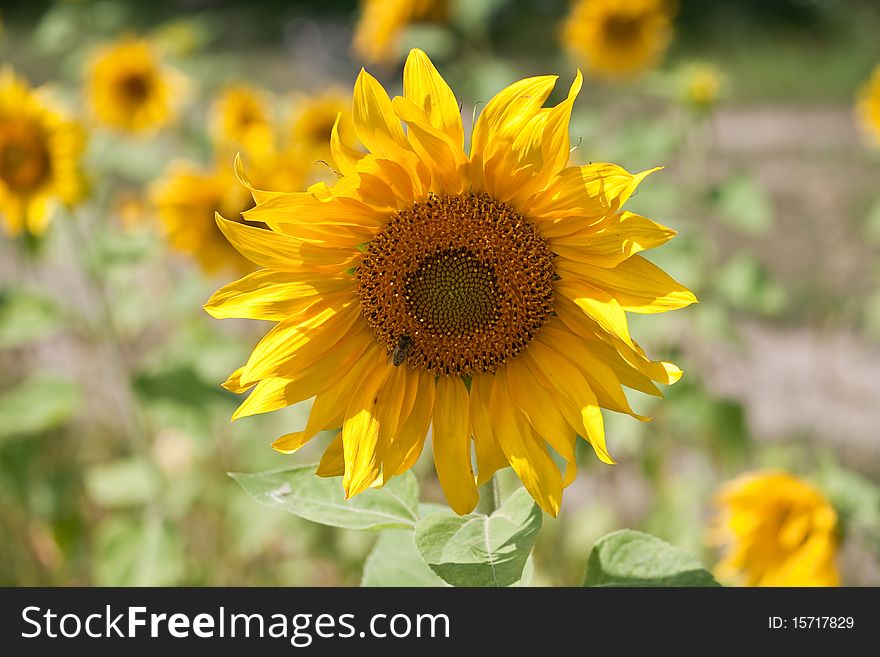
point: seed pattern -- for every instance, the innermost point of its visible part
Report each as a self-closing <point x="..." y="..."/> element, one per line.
<point x="465" y="278"/>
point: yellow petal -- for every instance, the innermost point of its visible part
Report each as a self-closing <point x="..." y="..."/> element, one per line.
<point x="274" y="295"/>
<point x="407" y="445"/>
<point x="375" y="123"/>
<point x="570" y="383"/>
<point x="332" y="462"/>
<point x="532" y="399"/>
<point x="233" y="383"/>
<point x="446" y="162"/>
<point x="290" y="443"/>
<point x="344" y="156"/>
<point x="526" y="454"/>
<point x="637" y="284"/>
<point x="583" y="195"/>
<point x="625" y="235"/>
<point x="424" y="86"/>
<point x="274" y="250"/>
<point x="273" y="353"/>
<point x="490" y="457"/>
<point x="360" y="432"/>
<point x="600" y="305"/>
<point x="452" y="456"/>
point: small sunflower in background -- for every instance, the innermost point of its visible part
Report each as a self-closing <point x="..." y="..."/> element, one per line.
<point x="130" y="89"/>
<point x="40" y="151"/>
<point x="701" y="86"/>
<point x="777" y="530"/>
<point x="241" y="117"/>
<point x="484" y="294"/>
<point x="186" y="199"/>
<point x="868" y="107"/>
<point x="377" y="34"/>
<point x="618" y="39"/>
<point x="311" y="124"/>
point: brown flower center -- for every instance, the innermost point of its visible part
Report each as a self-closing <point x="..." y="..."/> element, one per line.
<point x="25" y="162"/>
<point x="456" y="284"/>
<point x="135" y="88"/>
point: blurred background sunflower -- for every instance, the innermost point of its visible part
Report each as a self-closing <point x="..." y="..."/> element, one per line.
<point x="119" y="125"/>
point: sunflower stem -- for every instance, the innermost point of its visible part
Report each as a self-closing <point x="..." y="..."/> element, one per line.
<point x="490" y="497"/>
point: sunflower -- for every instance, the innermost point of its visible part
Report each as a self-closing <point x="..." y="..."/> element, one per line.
<point x="618" y="38"/>
<point x="377" y="33"/>
<point x="188" y="196"/>
<point x="129" y="88"/>
<point x="868" y="107"/>
<point x="40" y="152"/>
<point x="483" y="294"/>
<point x="241" y="117"/>
<point x="186" y="199"/>
<point x="313" y="118"/>
<point x="779" y="531"/>
<point x="701" y="86"/>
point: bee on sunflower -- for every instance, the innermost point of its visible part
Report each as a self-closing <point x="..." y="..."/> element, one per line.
<point x="481" y="293"/>
<point x="40" y="152"/>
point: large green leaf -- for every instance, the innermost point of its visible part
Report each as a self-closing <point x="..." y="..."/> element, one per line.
<point x="744" y="204"/>
<point x="479" y="550"/>
<point x="26" y="317"/>
<point x="301" y="492"/>
<point x="632" y="558"/>
<point x="37" y="405"/>
<point x="395" y="561"/>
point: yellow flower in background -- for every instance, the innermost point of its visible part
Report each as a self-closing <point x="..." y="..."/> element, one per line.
<point x="40" y="152"/>
<point x="618" y="38"/>
<point x="779" y="531"/>
<point x="130" y="89"/>
<point x="377" y="34"/>
<point x="868" y="107"/>
<point x="701" y="86"/>
<point x="313" y="118"/>
<point x="242" y="116"/>
<point x="483" y="293"/>
<point x="186" y="199"/>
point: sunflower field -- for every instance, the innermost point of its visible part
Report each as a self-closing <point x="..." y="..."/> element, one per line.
<point x="440" y="293"/>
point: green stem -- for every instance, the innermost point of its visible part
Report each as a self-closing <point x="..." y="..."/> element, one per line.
<point x="490" y="497"/>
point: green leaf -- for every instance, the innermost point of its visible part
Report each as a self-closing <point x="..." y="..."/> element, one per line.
<point x="26" y="317"/>
<point x="872" y="223"/>
<point x="121" y="483"/>
<point x="479" y="550"/>
<point x="745" y="283"/>
<point x="137" y="552"/>
<point x="395" y="561"/>
<point x="744" y="204"/>
<point x="632" y="558"/>
<point x="37" y="405"/>
<point x="320" y="499"/>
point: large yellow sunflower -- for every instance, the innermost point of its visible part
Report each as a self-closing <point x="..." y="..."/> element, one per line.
<point x="40" y="153"/>
<point x="130" y="89"/>
<point x="779" y="531"/>
<point x="483" y="294"/>
<point x="377" y="35"/>
<point x="868" y="107"/>
<point x="618" y="38"/>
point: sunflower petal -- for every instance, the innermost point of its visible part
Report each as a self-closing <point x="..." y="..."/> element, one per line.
<point x="452" y="456"/>
<point x="637" y="284"/>
<point x="424" y="86"/>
